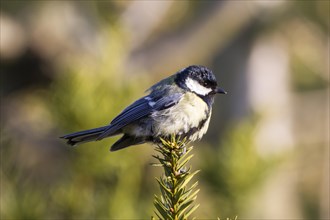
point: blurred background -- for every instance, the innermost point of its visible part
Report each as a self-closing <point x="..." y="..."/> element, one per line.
<point x="73" y="65"/>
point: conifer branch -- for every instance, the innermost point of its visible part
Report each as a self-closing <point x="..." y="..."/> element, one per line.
<point x="177" y="198"/>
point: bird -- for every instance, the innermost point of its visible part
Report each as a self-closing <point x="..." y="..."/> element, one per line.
<point x="179" y="105"/>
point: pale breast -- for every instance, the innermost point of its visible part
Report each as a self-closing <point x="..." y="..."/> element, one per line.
<point x="181" y="118"/>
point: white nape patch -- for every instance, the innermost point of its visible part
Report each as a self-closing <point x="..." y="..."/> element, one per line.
<point x="147" y="98"/>
<point x="194" y="86"/>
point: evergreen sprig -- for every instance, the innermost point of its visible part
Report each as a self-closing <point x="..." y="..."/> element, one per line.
<point x="177" y="196"/>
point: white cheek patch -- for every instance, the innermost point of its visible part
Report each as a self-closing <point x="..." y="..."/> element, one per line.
<point x="194" y="86"/>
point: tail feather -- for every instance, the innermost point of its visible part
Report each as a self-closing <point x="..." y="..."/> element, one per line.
<point x="126" y="141"/>
<point x="84" y="136"/>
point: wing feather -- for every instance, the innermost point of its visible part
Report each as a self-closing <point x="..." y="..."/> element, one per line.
<point x="139" y="109"/>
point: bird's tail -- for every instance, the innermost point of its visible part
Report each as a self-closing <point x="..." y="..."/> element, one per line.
<point x="84" y="136"/>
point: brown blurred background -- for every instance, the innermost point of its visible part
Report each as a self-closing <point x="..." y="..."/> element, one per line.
<point x="73" y="65"/>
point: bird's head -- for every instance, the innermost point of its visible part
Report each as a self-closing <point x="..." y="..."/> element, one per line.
<point x="199" y="80"/>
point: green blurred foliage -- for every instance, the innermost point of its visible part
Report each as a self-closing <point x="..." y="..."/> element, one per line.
<point x="90" y="182"/>
<point x="305" y="79"/>
<point x="235" y="169"/>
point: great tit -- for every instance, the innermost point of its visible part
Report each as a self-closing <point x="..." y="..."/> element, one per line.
<point x="180" y="104"/>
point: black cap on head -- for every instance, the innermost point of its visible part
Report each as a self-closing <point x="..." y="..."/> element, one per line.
<point x="199" y="73"/>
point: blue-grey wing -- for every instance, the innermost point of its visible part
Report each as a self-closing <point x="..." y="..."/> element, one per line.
<point x="167" y="101"/>
<point x="139" y="109"/>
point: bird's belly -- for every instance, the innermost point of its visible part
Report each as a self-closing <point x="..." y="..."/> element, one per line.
<point x="190" y="117"/>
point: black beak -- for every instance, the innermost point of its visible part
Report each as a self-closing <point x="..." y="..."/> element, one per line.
<point x="219" y="90"/>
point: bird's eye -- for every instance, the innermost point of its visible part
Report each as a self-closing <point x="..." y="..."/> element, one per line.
<point x="205" y="84"/>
